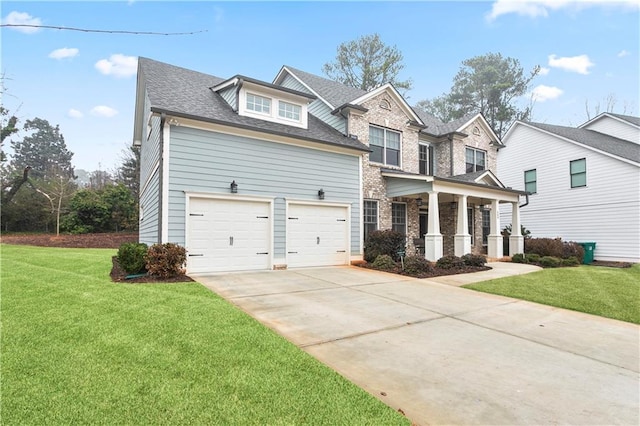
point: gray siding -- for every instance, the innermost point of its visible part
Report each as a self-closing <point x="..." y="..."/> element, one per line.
<point x="229" y="94"/>
<point x="202" y="161"/>
<point x="317" y="108"/>
<point x="149" y="205"/>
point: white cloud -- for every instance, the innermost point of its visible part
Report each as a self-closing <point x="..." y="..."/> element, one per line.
<point x="118" y="65"/>
<point x="65" y="52"/>
<point x="544" y="71"/>
<point x="22" y="18"/>
<point x="537" y="8"/>
<point x="74" y="113"/>
<point x="579" y="64"/>
<point x="623" y="53"/>
<point x="103" y="111"/>
<point x="543" y="93"/>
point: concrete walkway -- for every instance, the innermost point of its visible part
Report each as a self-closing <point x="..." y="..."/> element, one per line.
<point x="498" y="270"/>
<point x="447" y="355"/>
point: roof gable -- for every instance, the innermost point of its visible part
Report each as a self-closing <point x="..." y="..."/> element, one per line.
<point x="483" y="177"/>
<point x="393" y="93"/>
<point x="627" y="119"/>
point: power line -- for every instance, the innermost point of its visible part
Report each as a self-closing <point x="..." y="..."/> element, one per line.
<point x="85" y="30"/>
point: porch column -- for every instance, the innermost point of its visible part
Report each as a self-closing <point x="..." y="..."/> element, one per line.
<point x="462" y="237"/>
<point x="433" y="237"/>
<point x="516" y="240"/>
<point x="494" y="240"/>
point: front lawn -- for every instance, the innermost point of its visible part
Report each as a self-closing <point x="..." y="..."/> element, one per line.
<point x="608" y="292"/>
<point x="79" y="349"/>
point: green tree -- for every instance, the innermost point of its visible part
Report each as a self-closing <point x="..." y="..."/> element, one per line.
<point x="490" y="84"/>
<point x="123" y="207"/>
<point x="88" y="212"/>
<point x="43" y="149"/>
<point x="128" y="173"/>
<point x="367" y="63"/>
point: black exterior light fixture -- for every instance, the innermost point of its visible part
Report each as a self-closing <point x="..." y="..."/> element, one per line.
<point x="321" y="194"/>
<point x="418" y="201"/>
<point x="234" y="187"/>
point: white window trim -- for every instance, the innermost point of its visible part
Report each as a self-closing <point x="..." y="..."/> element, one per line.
<point x="280" y="102"/>
<point x="377" y="213"/>
<point x="384" y="148"/>
<point x="430" y="161"/>
<point x="253" y="111"/>
<point x="274" y="115"/>
<point x="475" y="164"/>
<point x="406" y="213"/>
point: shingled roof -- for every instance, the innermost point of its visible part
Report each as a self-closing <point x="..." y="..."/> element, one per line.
<point x="606" y="143"/>
<point x="186" y="93"/>
<point x="629" y="118"/>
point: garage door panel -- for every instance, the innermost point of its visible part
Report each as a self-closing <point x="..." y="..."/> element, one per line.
<point x="228" y="235"/>
<point x="317" y="235"/>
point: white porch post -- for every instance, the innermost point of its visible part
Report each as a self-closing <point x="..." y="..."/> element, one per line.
<point x="462" y="237"/>
<point x="494" y="240"/>
<point x="516" y="240"/>
<point x="433" y="237"/>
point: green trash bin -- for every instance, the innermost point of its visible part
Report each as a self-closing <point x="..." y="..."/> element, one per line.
<point x="589" y="249"/>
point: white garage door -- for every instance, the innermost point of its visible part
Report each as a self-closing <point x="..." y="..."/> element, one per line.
<point x="317" y="235"/>
<point x="228" y="235"/>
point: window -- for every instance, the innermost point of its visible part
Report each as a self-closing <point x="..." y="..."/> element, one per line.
<point x="530" y="181"/>
<point x="475" y="160"/>
<point x="258" y="103"/>
<point x="425" y="159"/>
<point x="578" y="170"/>
<point x="289" y="111"/>
<point x="370" y="218"/>
<point x="486" y="225"/>
<point x="399" y="217"/>
<point x="385" y="146"/>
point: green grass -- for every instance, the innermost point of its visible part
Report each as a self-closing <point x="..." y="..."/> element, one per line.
<point x="79" y="349"/>
<point x="608" y="292"/>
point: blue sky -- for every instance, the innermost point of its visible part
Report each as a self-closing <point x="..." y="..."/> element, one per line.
<point x="85" y="82"/>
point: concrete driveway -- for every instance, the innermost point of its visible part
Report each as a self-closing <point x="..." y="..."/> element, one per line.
<point x="447" y="355"/>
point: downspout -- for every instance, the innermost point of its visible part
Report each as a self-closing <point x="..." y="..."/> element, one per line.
<point x="450" y="137"/>
<point x="526" y="203"/>
<point x="163" y="118"/>
<point x="240" y="83"/>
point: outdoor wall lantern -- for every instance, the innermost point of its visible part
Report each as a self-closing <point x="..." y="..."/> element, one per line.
<point x="321" y="194"/>
<point x="454" y="205"/>
<point x="418" y="201"/>
<point x="234" y="187"/>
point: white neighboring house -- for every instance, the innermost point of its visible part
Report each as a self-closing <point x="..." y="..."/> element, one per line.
<point x="584" y="182"/>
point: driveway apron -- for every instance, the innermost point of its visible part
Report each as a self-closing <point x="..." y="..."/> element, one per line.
<point x="447" y="355"/>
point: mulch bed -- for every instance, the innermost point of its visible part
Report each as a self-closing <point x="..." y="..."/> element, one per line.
<point x="435" y="272"/>
<point x="120" y="276"/>
<point x="611" y="264"/>
<point x="105" y="240"/>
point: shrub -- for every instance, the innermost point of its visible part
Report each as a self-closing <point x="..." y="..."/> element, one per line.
<point x="533" y="258"/>
<point x="416" y="265"/>
<point x="519" y="258"/>
<point x="384" y="262"/>
<point x="131" y="257"/>
<point x="550" y="262"/>
<point x="387" y="242"/>
<point x="572" y="249"/>
<point x="544" y="246"/>
<point x="166" y="260"/>
<point x="570" y="261"/>
<point x="449" y="262"/>
<point x="474" y="259"/>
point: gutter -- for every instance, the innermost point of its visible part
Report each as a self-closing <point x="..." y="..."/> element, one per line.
<point x="240" y="83"/>
<point x="163" y="119"/>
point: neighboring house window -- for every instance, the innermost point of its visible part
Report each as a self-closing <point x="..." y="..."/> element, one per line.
<point x="578" y="170"/>
<point x="425" y="159"/>
<point x="289" y="111"/>
<point x="399" y="217"/>
<point x="258" y="103"/>
<point x="385" y="146"/>
<point x="486" y="225"/>
<point x="475" y="159"/>
<point x="370" y="219"/>
<point x="531" y="181"/>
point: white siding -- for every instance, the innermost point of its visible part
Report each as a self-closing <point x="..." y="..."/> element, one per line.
<point x="606" y="211"/>
<point x="613" y="127"/>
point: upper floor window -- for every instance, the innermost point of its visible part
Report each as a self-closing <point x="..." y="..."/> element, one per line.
<point x="289" y="111"/>
<point x="578" y="171"/>
<point x="425" y="159"/>
<point x="385" y="146"/>
<point x="258" y="103"/>
<point x="475" y="160"/>
<point x="399" y="217"/>
<point x="531" y="181"/>
<point x="370" y="217"/>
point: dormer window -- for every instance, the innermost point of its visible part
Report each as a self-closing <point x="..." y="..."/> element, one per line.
<point x="258" y="104"/>
<point x="289" y="111"/>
